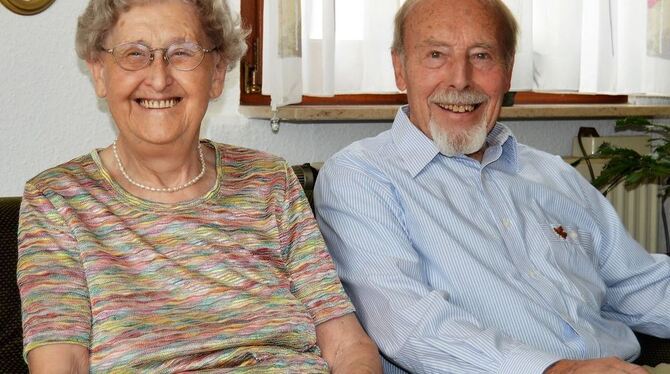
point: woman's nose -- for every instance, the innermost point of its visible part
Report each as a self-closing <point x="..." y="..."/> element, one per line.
<point x="159" y="71"/>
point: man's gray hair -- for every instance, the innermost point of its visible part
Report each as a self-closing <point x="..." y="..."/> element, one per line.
<point x="508" y="26"/>
<point x="219" y="24"/>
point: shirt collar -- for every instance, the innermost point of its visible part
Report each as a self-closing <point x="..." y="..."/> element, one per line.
<point x="502" y="148"/>
<point x="417" y="150"/>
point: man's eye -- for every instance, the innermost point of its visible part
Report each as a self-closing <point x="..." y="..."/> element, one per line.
<point x="482" y="56"/>
<point x="435" y="54"/>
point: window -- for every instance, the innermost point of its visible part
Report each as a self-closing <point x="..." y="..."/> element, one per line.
<point x="252" y="74"/>
<point x="615" y="46"/>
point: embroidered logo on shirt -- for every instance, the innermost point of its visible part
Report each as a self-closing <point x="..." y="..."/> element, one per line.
<point x="560" y="231"/>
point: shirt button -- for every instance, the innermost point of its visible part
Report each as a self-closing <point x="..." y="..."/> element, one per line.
<point x="533" y="274"/>
<point x="506" y="223"/>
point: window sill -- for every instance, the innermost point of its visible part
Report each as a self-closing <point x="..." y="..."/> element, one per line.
<point x="318" y="113"/>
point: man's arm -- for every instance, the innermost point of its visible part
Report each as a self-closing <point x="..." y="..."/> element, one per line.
<point x="346" y="347"/>
<point x="609" y="365"/>
<point x="415" y="326"/>
<point x="638" y="283"/>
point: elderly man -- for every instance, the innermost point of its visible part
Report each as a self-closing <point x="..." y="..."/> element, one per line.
<point x="465" y="251"/>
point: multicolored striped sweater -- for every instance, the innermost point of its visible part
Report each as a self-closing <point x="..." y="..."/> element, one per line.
<point x="236" y="279"/>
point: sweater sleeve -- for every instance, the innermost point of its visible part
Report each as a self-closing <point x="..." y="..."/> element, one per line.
<point x="54" y="295"/>
<point x="313" y="277"/>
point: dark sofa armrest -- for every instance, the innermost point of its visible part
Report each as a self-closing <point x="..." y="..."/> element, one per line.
<point x="653" y="350"/>
<point x="307" y="174"/>
<point x="11" y="334"/>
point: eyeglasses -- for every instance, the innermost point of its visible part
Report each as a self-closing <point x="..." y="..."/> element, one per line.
<point x="184" y="56"/>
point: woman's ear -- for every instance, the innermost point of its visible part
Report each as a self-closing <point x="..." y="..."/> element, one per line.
<point x="97" y="69"/>
<point x="218" y="76"/>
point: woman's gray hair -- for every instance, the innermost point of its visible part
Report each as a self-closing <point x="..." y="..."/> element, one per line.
<point x="508" y="27"/>
<point x="220" y="25"/>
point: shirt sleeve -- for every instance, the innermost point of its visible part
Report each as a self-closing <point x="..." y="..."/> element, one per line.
<point x="415" y="326"/>
<point x="54" y="296"/>
<point x="313" y="277"/>
<point x="638" y="283"/>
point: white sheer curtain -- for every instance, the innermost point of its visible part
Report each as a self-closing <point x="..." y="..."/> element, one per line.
<point x="522" y="77"/>
<point x="345" y="49"/>
<point x="282" y="61"/>
<point x="346" y="46"/>
<point x="594" y="46"/>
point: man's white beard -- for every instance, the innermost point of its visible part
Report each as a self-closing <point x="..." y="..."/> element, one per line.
<point x="451" y="141"/>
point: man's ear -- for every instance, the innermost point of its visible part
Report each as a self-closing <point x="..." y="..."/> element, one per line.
<point x="218" y="77"/>
<point x="399" y="70"/>
<point x="510" y="68"/>
<point x="97" y="69"/>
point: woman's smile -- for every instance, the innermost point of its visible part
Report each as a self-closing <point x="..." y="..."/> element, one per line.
<point x="158" y="103"/>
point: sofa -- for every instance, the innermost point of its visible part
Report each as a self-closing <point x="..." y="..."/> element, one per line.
<point x="654" y="350"/>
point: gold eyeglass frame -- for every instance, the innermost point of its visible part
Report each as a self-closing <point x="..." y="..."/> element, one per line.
<point x="26" y="7"/>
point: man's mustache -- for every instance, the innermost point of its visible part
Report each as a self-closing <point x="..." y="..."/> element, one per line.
<point x="468" y="96"/>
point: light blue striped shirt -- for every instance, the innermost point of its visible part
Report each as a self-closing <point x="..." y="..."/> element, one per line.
<point x="502" y="266"/>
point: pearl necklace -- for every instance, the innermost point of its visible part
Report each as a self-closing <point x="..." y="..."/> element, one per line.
<point x="166" y="189"/>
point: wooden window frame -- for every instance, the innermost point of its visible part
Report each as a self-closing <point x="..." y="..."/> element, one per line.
<point x="251" y="70"/>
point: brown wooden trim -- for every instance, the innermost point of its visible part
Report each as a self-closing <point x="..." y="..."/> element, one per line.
<point x="528" y="97"/>
<point x="369" y="99"/>
<point x="251" y="12"/>
<point x="252" y="16"/>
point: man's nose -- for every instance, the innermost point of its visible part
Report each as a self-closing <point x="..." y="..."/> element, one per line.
<point x="459" y="74"/>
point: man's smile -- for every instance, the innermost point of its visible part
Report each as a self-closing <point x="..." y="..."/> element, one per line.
<point x="458" y="108"/>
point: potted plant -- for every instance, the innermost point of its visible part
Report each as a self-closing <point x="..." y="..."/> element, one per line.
<point x="631" y="168"/>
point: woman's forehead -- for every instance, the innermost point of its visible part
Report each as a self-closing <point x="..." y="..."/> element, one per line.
<point x="157" y="21"/>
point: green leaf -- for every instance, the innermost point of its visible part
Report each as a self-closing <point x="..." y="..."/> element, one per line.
<point x="631" y="168"/>
<point x="642" y="125"/>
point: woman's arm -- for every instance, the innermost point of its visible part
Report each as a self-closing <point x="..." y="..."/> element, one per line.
<point x="54" y="293"/>
<point x="346" y="347"/>
<point x="59" y="358"/>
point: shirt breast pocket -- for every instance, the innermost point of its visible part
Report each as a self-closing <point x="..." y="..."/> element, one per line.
<point x="570" y="252"/>
<point x="567" y="242"/>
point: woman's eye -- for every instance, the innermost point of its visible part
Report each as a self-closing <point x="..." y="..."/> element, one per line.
<point x="180" y="52"/>
<point x="134" y="55"/>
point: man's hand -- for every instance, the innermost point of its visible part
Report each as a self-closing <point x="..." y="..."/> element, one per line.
<point x="609" y="365"/>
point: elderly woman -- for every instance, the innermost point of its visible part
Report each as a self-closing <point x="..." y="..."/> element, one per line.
<point x="167" y="253"/>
